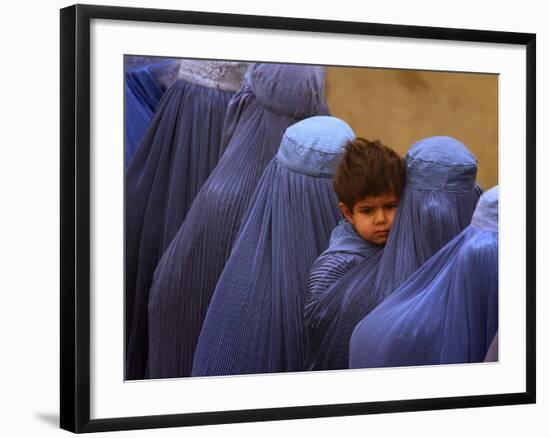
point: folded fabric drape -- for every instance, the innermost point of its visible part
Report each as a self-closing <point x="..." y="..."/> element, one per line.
<point x="346" y="250"/>
<point x="438" y="202"/>
<point x="143" y="87"/>
<point x="447" y="312"/>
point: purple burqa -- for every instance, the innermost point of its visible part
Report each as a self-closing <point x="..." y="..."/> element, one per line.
<point x="254" y="323"/>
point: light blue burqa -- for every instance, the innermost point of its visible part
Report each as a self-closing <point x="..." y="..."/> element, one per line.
<point x="447" y="312"/>
<point x="255" y="321"/>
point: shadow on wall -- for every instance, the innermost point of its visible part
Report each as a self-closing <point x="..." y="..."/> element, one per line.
<point x="399" y="107"/>
<point x="52" y="419"/>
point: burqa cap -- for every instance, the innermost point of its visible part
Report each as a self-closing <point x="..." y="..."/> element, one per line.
<point x="295" y="91"/>
<point x="442" y="164"/>
<point x="486" y="213"/>
<point x="314" y="146"/>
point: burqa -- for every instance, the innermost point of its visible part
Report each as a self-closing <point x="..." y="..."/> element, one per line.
<point x="447" y="312"/>
<point x="255" y="321"/>
<point x="347" y="249"/>
<point x="144" y="85"/>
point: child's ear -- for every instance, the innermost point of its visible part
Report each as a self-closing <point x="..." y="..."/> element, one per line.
<point x="345" y="211"/>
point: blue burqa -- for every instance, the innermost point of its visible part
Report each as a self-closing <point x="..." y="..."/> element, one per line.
<point x="275" y="97"/>
<point x="347" y="249"/>
<point x="254" y="323"/>
<point x="437" y="203"/>
<point x="447" y="312"/>
<point x="144" y="86"/>
<point x="181" y="146"/>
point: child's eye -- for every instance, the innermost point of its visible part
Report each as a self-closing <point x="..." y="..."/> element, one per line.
<point x="391" y="206"/>
<point x="366" y="210"/>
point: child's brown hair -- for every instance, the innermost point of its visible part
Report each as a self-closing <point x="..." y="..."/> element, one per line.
<point x="368" y="168"/>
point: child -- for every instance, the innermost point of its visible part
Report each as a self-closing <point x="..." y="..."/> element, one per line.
<point x="435" y="205"/>
<point x="368" y="184"/>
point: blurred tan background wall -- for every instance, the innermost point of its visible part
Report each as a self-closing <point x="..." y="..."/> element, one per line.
<point x="400" y="107"/>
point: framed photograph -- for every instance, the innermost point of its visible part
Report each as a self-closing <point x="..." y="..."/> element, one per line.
<point x="202" y="184"/>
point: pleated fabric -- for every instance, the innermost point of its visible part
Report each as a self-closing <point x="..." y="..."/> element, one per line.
<point x="439" y="199"/>
<point x="142" y="94"/>
<point x="143" y="91"/>
<point x="185" y="278"/>
<point x="180" y="148"/>
<point x="347" y="249"/>
<point x="255" y="321"/>
<point x="447" y="312"/>
<point x="437" y="203"/>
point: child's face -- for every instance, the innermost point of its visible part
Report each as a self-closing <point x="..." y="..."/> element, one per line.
<point x="373" y="216"/>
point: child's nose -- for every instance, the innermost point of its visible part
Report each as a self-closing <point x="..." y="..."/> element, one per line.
<point x="380" y="216"/>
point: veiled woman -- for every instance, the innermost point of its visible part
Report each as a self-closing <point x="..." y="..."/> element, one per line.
<point x="447" y="312"/>
<point x="255" y="321"/>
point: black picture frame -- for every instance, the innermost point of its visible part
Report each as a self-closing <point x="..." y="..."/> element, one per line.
<point x="75" y="216"/>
